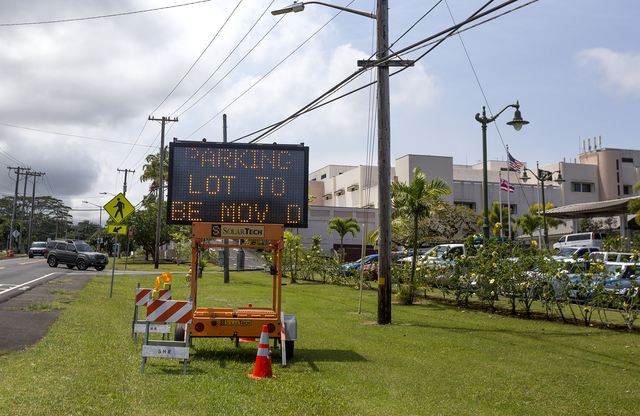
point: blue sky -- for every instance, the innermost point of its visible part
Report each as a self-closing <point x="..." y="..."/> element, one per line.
<point x="77" y="94"/>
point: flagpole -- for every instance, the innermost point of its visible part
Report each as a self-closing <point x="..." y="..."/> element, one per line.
<point x="500" y="192"/>
<point x="508" y="192"/>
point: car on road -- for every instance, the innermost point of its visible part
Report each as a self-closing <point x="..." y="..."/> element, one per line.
<point x="38" y="248"/>
<point x="75" y="253"/>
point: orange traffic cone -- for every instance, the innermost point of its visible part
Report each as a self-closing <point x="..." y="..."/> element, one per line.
<point x="262" y="368"/>
<point x="248" y="339"/>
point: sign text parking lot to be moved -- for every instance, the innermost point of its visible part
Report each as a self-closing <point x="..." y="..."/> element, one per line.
<point x="238" y="183"/>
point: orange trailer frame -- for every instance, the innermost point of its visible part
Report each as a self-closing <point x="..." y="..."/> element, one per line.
<point x="242" y="322"/>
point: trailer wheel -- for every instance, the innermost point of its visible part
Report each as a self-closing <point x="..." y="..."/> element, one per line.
<point x="179" y="333"/>
<point x="289" y="347"/>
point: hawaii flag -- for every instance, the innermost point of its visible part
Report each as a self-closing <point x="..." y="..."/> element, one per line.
<point x="506" y="186"/>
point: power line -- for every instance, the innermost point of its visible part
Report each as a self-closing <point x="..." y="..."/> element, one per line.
<point x="225" y="60"/>
<point x="101" y="17"/>
<point x="197" y="60"/>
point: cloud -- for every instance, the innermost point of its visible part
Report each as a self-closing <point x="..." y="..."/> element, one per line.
<point x="618" y="73"/>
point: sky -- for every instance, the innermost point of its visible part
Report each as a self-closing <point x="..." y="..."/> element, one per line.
<point x="81" y="79"/>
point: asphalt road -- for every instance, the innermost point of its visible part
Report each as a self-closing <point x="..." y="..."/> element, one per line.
<point x="25" y="283"/>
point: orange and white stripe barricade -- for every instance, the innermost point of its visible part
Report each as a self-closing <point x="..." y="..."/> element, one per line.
<point x="170" y="311"/>
<point x="139" y="326"/>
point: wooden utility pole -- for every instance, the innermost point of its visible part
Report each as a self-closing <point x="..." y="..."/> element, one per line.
<point x="164" y="121"/>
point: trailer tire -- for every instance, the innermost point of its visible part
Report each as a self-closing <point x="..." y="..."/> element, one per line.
<point x="289" y="347"/>
<point x="179" y="333"/>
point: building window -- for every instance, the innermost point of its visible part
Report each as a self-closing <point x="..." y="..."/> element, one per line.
<point x="626" y="189"/>
<point x="618" y="175"/>
<point x="470" y="205"/>
<point x="324" y="175"/>
<point x="618" y="190"/>
<point x="514" y="208"/>
<point x="581" y="187"/>
<point x="617" y="164"/>
<point x="627" y="160"/>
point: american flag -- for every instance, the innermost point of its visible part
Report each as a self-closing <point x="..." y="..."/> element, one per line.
<point x="514" y="164"/>
<point x="506" y="186"/>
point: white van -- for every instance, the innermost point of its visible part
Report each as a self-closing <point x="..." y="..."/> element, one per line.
<point x="580" y="240"/>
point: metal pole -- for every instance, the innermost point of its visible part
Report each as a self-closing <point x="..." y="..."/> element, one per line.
<point x="100" y="230"/>
<point x="113" y="269"/>
<point x="225" y="250"/>
<point x="544" y="216"/>
<point x="508" y="194"/>
<point x="384" y="167"/>
<point x="485" y="192"/>
<point x="500" y="193"/>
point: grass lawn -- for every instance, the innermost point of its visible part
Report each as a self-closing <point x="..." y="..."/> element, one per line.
<point x="434" y="359"/>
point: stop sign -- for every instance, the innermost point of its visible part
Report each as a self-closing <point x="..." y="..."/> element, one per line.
<point x="130" y="232"/>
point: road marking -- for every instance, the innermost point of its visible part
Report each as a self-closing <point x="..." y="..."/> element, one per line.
<point x="26" y="283"/>
<point x="29" y="262"/>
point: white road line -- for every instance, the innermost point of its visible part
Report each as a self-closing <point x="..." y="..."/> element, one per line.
<point x="25" y="284"/>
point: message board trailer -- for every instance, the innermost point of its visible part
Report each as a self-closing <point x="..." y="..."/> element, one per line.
<point x="238" y="183"/>
<point x="241" y="322"/>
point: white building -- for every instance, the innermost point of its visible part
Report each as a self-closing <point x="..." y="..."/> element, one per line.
<point x="598" y="174"/>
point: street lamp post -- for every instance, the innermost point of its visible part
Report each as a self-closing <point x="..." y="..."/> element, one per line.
<point x="517" y="124"/>
<point x="384" y="146"/>
<point x="100" y="225"/>
<point x="543" y="176"/>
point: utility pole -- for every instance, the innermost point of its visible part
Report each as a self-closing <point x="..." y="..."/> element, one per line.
<point x="124" y="185"/>
<point x="225" y="261"/>
<point x="33" y="204"/>
<point x="24" y="197"/>
<point x="15" y="202"/>
<point x="164" y="121"/>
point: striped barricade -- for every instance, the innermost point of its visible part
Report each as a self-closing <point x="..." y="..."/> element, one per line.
<point x="173" y="311"/>
<point x="142" y="298"/>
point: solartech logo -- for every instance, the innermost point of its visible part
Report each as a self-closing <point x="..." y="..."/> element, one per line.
<point x="237" y="231"/>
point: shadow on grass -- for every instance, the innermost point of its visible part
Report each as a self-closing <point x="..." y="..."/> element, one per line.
<point x="248" y="356"/>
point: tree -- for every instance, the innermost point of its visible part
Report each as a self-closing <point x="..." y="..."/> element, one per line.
<point x="529" y="223"/>
<point x="343" y="227"/>
<point x="634" y="204"/>
<point x="494" y="218"/>
<point x="144" y="223"/>
<point x="415" y="202"/>
<point x="151" y="171"/>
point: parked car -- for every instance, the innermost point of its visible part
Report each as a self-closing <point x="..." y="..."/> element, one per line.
<point x="75" y="253"/>
<point x="371" y="264"/>
<point x="591" y="239"/>
<point x="610" y="274"/>
<point x="352" y="267"/>
<point x="612" y="256"/>
<point x="574" y="252"/>
<point x="441" y="253"/>
<point x="38" y="248"/>
<point x="630" y="277"/>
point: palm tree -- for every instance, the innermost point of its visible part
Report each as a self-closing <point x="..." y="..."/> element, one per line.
<point x="343" y="227"/>
<point x="529" y="223"/>
<point x="151" y="171"/>
<point x="415" y="202"/>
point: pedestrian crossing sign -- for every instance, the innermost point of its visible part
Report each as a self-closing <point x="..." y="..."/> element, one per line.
<point x="119" y="208"/>
<point x="118" y="229"/>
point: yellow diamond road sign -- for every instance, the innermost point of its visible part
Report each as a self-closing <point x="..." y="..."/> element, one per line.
<point x="118" y="229"/>
<point x="119" y="208"/>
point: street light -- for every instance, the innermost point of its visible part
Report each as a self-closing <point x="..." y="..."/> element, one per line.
<point x="384" y="147"/>
<point x="543" y="176"/>
<point x="100" y="225"/>
<point x="517" y="124"/>
<point x="107" y="193"/>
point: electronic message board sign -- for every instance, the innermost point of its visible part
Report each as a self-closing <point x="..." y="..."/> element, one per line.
<point x="238" y="183"/>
